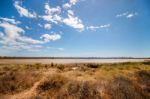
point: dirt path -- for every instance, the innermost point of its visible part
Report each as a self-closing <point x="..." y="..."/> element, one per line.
<point x="27" y="94"/>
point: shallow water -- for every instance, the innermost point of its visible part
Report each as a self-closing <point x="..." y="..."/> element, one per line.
<point x="48" y="61"/>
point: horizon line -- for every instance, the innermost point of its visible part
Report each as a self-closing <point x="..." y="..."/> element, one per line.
<point x="70" y="57"/>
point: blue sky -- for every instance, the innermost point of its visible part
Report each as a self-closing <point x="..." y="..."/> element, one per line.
<point x="102" y="28"/>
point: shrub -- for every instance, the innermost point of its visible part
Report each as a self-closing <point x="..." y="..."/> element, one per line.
<point x="82" y="90"/>
<point x="14" y="82"/>
<point x="93" y="65"/>
<point x="61" y="67"/>
<point x="53" y="82"/>
<point x="123" y="88"/>
<point x="143" y="77"/>
<point x="147" y="62"/>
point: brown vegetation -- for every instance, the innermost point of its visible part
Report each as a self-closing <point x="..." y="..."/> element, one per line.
<point x="75" y="81"/>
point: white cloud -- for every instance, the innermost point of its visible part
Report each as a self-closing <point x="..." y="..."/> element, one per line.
<point x="10" y="20"/>
<point x="122" y="14"/>
<point x="23" y="11"/>
<point x="47" y="26"/>
<point x="50" y="37"/>
<point x="30" y="40"/>
<point x="12" y="31"/>
<point x="52" y="14"/>
<point x="13" y="39"/>
<point x="49" y="10"/>
<point x="73" y="2"/>
<point x="13" y="35"/>
<point x="105" y="26"/>
<point x="94" y="28"/>
<point x="28" y="28"/>
<point x="73" y="21"/>
<point x="47" y="18"/>
<point x="1" y="35"/>
<point x="67" y="5"/>
<point x="60" y="49"/>
<point x="57" y="18"/>
<point x="131" y="15"/>
<point x="70" y="12"/>
<point x="127" y="15"/>
<point x="70" y="4"/>
<point x="22" y="47"/>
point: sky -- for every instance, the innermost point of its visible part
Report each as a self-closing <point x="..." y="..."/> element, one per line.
<point x="75" y="28"/>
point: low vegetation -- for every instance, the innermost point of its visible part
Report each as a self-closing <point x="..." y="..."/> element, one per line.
<point x="130" y="80"/>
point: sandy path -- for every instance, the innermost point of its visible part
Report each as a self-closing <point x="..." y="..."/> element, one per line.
<point x="27" y="94"/>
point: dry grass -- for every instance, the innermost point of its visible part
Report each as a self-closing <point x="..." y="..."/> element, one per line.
<point x="76" y="81"/>
<point x="14" y="82"/>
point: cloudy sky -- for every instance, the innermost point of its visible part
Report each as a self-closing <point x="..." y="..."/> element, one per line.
<point x="75" y="28"/>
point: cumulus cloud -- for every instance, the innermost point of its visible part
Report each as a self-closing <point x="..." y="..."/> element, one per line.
<point x="30" y="40"/>
<point x="14" y="35"/>
<point x="70" y="4"/>
<point x="52" y="14"/>
<point x="73" y="2"/>
<point x="11" y="31"/>
<point x="94" y="28"/>
<point x="13" y="38"/>
<point x="73" y="21"/>
<point x="127" y="15"/>
<point x="49" y="10"/>
<point x="23" y="11"/>
<point x="10" y="20"/>
<point x="50" y="37"/>
<point x="47" y="26"/>
<point x="67" y="5"/>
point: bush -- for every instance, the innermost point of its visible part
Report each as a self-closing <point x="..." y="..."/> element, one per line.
<point x="82" y="90"/>
<point x="53" y="82"/>
<point x="143" y="77"/>
<point x="93" y="65"/>
<point x="61" y="67"/>
<point x="14" y="82"/>
<point x="123" y="88"/>
<point x="147" y="62"/>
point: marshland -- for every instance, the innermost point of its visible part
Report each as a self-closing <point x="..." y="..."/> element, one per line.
<point x="125" y="80"/>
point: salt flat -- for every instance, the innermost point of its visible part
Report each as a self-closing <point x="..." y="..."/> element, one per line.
<point x="65" y="61"/>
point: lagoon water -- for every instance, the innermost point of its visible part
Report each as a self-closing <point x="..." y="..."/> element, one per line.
<point x="65" y="61"/>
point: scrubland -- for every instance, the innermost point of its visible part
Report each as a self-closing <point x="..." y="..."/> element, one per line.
<point x="129" y="80"/>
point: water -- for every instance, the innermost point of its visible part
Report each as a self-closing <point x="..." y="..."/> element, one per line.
<point x="64" y="61"/>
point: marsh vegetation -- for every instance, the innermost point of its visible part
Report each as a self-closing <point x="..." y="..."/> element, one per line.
<point x="128" y="80"/>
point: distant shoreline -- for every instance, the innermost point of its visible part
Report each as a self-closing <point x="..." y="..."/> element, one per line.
<point x="74" y="57"/>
